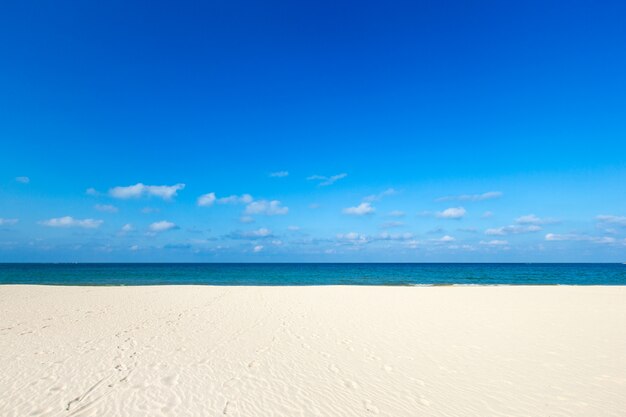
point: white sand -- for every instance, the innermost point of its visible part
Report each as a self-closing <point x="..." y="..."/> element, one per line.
<point x="313" y="351"/>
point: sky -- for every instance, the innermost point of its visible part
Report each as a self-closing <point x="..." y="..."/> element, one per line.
<point x="237" y="131"/>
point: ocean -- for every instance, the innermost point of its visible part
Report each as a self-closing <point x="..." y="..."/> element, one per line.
<point x="313" y="274"/>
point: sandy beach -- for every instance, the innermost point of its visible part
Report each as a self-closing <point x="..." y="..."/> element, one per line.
<point x="312" y="351"/>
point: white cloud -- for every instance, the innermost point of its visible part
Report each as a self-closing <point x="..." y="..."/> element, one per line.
<point x="149" y="210"/>
<point x="580" y="238"/>
<point x="127" y="228"/>
<point x="258" y="248"/>
<point x="395" y="236"/>
<point x="107" y="208"/>
<point x="69" y="221"/>
<point x="487" y="214"/>
<point x="22" y="180"/>
<point x="92" y="191"/>
<point x="380" y="196"/>
<point x="134" y="248"/>
<point x="162" y="226"/>
<point x="447" y="238"/>
<point x="206" y="200"/>
<point x="324" y="180"/>
<point x="360" y="210"/>
<point x="353" y="237"/>
<point x="608" y="218"/>
<point x="532" y="219"/>
<point x="452" y="213"/>
<point x="279" y="174"/>
<point x="293" y="228"/>
<point x="236" y="199"/>
<point x="513" y="230"/>
<point x="8" y="222"/>
<point x="494" y="242"/>
<point x="471" y="197"/>
<point x="166" y="192"/>
<point x="397" y="213"/>
<point x="269" y="208"/>
<point x="246" y="219"/>
<point x="262" y="232"/>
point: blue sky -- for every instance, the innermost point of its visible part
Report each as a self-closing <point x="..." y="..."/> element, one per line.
<point x="313" y="131"/>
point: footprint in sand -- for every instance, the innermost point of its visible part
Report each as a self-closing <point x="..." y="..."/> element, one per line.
<point x="170" y="380"/>
<point x="350" y="384"/>
<point x="424" y="401"/>
<point x="333" y="368"/>
<point x="369" y="407"/>
<point x="230" y="408"/>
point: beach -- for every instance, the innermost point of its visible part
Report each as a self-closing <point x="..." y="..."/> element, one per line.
<point x="313" y="351"/>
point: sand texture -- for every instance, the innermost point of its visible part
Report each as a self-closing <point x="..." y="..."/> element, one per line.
<point x="312" y="351"/>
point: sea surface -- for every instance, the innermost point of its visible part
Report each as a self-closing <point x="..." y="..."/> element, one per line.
<point x="313" y="274"/>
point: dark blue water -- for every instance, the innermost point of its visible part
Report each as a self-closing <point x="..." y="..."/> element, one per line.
<point x="314" y="274"/>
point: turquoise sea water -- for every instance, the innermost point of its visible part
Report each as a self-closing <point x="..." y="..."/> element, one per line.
<point x="314" y="274"/>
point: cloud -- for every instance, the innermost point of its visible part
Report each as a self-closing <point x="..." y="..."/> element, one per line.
<point x="149" y="210"/>
<point x="610" y="219"/>
<point x="22" y="180"/>
<point x="69" y="221"/>
<point x="262" y="232"/>
<point x="395" y="236"/>
<point x="279" y="174"/>
<point x="445" y="239"/>
<point x="246" y="219"/>
<point x="360" y="210"/>
<point x="257" y="248"/>
<point x="8" y="222"/>
<point x="107" y="208"/>
<point x="487" y="214"/>
<point x="324" y="181"/>
<point x="166" y="192"/>
<point x="494" y="242"/>
<point x="206" y="200"/>
<point x="471" y="197"/>
<point x="236" y="199"/>
<point x="353" y="237"/>
<point x="396" y="213"/>
<point x="162" y="226"/>
<point x="532" y="219"/>
<point x="452" y="213"/>
<point x="127" y="228"/>
<point x="513" y="230"/>
<point x="92" y="191"/>
<point x="269" y="208"/>
<point x="134" y="248"/>
<point x="380" y="196"/>
<point x="580" y="238"/>
<point x="293" y="228"/>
